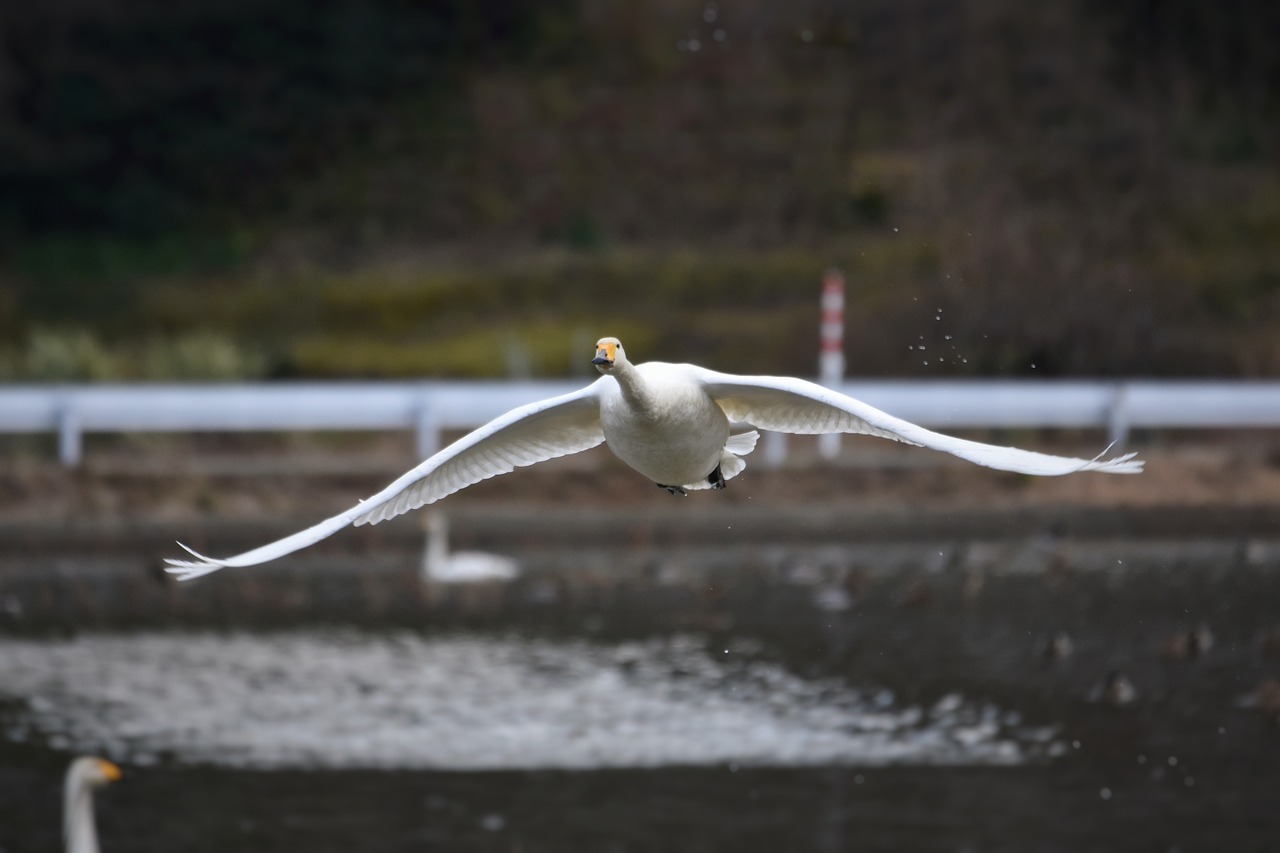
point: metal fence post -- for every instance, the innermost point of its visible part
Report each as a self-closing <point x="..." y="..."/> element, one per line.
<point x="70" y="442"/>
<point x="1118" y="416"/>
<point x="428" y="428"/>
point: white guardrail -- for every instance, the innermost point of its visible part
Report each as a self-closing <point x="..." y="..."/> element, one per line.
<point x="432" y="406"/>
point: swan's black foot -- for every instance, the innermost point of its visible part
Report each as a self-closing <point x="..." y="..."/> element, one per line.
<point x="716" y="479"/>
<point x="675" y="490"/>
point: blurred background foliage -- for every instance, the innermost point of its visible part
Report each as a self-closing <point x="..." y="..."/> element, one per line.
<point x="382" y="188"/>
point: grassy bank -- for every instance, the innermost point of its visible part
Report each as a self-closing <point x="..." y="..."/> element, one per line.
<point x="915" y="307"/>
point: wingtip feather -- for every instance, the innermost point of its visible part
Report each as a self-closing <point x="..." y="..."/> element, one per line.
<point x="186" y="570"/>
<point x="190" y="572"/>
<point x="1124" y="464"/>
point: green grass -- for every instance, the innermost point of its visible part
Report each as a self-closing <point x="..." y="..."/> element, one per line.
<point x="539" y="317"/>
<point x="79" y="355"/>
<point x="1201" y="296"/>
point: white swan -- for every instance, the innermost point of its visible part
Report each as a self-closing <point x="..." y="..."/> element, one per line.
<point x="682" y="426"/>
<point x="83" y="776"/>
<point x="441" y="566"/>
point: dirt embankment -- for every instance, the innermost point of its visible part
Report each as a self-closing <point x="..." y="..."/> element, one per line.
<point x="85" y="547"/>
<point x="178" y="483"/>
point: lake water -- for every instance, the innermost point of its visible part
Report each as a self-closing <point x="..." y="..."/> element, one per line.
<point x="795" y="719"/>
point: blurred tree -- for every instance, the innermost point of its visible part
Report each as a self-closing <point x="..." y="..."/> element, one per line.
<point x="134" y="119"/>
<point x="1084" y="186"/>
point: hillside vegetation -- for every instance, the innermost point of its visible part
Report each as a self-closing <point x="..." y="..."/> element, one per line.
<point x="387" y="189"/>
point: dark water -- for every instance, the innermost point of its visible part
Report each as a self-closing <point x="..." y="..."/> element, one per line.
<point x="902" y="808"/>
<point x="1186" y="765"/>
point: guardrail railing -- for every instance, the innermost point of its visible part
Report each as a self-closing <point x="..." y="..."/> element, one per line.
<point x="430" y="407"/>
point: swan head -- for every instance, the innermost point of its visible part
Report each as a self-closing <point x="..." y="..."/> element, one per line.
<point x="94" y="772"/>
<point x="84" y="774"/>
<point x="608" y="353"/>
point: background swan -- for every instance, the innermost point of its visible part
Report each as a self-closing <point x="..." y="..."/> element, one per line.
<point x="682" y="426"/>
<point x="83" y="776"/>
<point x="441" y="566"/>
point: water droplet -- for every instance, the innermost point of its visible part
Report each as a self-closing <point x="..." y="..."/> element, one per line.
<point x="806" y="36"/>
<point x="1105" y="793"/>
<point x="719" y="35"/>
<point x="1173" y="761"/>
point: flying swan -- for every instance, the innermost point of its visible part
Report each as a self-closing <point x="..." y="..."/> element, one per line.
<point x="682" y="426"/>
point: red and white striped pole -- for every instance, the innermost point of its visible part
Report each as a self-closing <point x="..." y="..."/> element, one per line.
<point x="831" y="361"/>
<point x="831" y="356"/>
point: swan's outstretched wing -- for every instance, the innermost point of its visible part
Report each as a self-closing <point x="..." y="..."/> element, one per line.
<point x="524" y="436"/>
<point x="784" y="404"/>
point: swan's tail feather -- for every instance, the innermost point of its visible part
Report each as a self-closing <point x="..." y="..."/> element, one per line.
<point x="741" y="444"/>
<point x="731" y="462"/>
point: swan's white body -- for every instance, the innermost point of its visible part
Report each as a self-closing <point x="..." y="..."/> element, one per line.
<point x="677" y="424"/>
<point x="78" y="829"/>
<point x="442" y="566"/>
<point x="664" y="424"/>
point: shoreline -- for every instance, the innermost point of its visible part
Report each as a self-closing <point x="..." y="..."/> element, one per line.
<point x="86" y="547"/>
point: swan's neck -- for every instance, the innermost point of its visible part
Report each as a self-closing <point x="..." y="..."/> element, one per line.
<point x="436" y="553"/>
<point x="635" y="391"/>
<point x="78" y="827"/>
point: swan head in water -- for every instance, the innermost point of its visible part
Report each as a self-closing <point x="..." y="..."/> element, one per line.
<point x="608" y="352"/>
<point x="84" y="775"/>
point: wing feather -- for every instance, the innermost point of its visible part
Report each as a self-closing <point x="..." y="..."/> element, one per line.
<point x="785" y="404"/>
<point x="524" y="436"/>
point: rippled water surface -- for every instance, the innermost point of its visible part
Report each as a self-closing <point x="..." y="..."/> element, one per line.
<point x="402" y="701"/>
<point x="920" y="714"/>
